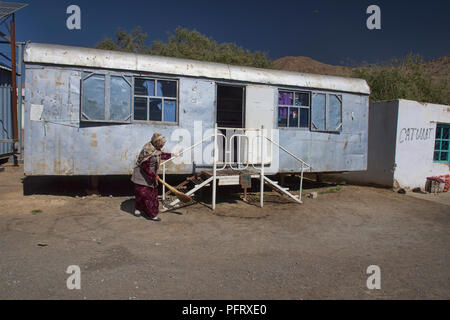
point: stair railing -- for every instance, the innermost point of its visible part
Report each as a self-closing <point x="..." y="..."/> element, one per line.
<point x="303" y="165"/>
<point x="228" y="161"/>
<point x="163" y="164"/>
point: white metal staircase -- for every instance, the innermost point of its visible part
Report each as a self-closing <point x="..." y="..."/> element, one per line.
<point x="285" y="191"/>
<point x="227" y="172"/>
<point x="192" y="191"/>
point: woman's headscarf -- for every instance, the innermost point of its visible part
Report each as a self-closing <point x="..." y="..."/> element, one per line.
<point x="151" y="148"/>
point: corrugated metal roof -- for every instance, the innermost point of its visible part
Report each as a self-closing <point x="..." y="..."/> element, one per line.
<point x="5" y="67"/>
<point x="7" y="8"/>
<point x="94" y="58"/>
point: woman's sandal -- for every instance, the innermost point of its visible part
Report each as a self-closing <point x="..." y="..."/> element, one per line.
<point x="156" y="219"/>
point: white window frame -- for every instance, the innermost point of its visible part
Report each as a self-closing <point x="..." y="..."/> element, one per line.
<point x="176" y="99"/>
<point x="327" y="128"/>
<point x="293" y="91"/>
<point x="107" y="95"/>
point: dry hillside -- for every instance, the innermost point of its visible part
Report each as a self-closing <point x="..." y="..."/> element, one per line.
<point x="438" y="68"/>
<point x="410" y="82"/>
<point x="308" y="65"/>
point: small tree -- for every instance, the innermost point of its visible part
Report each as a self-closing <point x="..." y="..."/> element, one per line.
<point x="126" y="42"/>
<point x="191" y="44"/>
<point x="188" y="44"/>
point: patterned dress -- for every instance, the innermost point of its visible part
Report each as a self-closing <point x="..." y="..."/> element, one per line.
<point x="147" y="196"/>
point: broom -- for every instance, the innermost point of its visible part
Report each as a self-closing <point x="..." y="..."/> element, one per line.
<point x="181" y="196"/>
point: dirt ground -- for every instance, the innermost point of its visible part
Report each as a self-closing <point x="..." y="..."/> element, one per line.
<point x="318" y="250"/>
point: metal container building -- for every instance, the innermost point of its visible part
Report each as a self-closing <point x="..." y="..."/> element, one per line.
<point x="89" y="111"/>
<point x="6" y="117"/>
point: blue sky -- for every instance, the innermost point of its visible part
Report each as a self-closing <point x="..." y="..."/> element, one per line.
<point x="330" y="31"/>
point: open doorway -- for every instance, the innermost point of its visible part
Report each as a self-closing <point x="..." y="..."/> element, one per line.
<point x="230" y="106"/>
<point x="230" y="114"/>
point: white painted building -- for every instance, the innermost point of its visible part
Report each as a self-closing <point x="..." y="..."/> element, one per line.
<point x="408" y="142"/>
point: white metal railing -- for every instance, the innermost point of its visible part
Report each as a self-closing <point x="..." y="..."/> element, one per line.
<point x="240" y="164"/>
<point x="302" y="167"/>
<point x="163" y="164"/>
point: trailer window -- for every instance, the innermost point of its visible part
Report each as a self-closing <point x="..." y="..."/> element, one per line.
<point x="140" y="108"/>
<point x="120" y="98"/>
<point x="293" y="109"/>
<point x="155" y="100"/>
<point x="326" y="112"/>
<point x="318" y="121"/>
<point x="167" y="88"/>
<point x="335" y="122"/>
<point x="144" y="87"/>
<point x="94" y="97"/>
<point x="155" y="109"/>
<point x="105" y="97"/>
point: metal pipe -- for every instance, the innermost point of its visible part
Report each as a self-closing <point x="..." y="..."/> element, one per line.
<point x="261" y="198"/>
<point x="19" y="93"/>
<point x="238" y="151"/>
<point x="193" y="146"/>
<point x="14" y="80"/>
<point x="164" y="186"/>
<point x="301" y="185"/>
<point x="214" y="169"/>
<point x="292" y="155"/>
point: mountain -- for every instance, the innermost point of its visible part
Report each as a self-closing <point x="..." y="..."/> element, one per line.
<point x="410" y="82"/>
<point x="437" y="69"/>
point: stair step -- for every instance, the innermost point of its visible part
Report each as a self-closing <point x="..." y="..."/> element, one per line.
<point x="228" y="180"/>
<point x="277" y="188"/>
<point x="278" y="184"/>
<point x="192" y="191"/>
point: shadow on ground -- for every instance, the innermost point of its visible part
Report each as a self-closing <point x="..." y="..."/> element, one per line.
<point x="121" y="186"/>
<point x="114" y="185"/>
<point x="128" y="206"/>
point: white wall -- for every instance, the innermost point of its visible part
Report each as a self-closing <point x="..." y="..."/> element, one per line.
<point x="416" y="131"/>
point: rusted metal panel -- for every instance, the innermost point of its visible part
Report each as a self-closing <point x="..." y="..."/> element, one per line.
<point x="94" y="58"/>
<point x="60" y="145"/>
<point x="57" y="143"/>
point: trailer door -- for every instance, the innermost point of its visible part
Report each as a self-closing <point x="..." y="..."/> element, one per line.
<point x="260" y="101"/>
